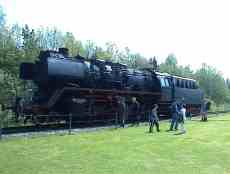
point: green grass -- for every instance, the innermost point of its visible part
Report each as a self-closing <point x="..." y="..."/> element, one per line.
<point x="204" y="149"/>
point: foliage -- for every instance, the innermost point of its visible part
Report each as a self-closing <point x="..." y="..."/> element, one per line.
<point x="22" y="43"/>
<point x="212" y="82"/>
<point x="171" y="66"/>
<point x="75" y="47"/>
<point x="2" y="17"/>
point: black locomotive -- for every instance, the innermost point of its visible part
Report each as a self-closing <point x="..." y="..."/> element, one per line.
<point x="88" y="88"/>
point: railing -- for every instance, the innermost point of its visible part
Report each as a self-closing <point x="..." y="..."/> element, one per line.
<point x="71" y="121"/>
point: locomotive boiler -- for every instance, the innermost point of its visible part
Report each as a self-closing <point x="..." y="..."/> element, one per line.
<point x="83" y="86"/>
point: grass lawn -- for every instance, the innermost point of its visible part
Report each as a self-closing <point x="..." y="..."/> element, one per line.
<point x="204" y="149"/>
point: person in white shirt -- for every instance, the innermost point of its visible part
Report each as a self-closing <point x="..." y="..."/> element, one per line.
<point x="182" y="118"/>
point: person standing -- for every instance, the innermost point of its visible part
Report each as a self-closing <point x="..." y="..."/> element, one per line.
<point x="153" y="119"/>
<point x="174" y="113"/>
<point x="122" y="110"/>
<point x="135" y="109"/>
<point x="204" y="111"/>
<point x="182" y="118"/>
<point x="205" y="107"/>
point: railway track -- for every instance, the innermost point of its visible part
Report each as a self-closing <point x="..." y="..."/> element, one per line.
<point x="71" y="127"/>
<point x="55" y="127"/>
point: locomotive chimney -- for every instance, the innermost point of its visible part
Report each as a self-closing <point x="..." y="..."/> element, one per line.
<point x="64" y="51"/>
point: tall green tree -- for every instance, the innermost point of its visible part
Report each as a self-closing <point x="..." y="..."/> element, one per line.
<point x="228" y="83"/>
<point x="212" y="83"/>
<point x="49" y="38"/>
<point x="170" y="65"/>
<point x="75" y="46"/>
<point x="112" y="50"/>
<point x="9" y="64"/>
<point x="30" y="43"/>
<point x="103" y="54"/>
<point x="2" y="17"/>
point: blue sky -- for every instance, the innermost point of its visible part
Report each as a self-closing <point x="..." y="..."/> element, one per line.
<point x="196" y="31"/>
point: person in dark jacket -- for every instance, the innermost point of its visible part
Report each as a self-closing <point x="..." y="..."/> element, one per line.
<point x="153" y="119"/>
<point x="135" y="109"/>
<point x="122" y="110"/>
<point x="204" y="110"/>
<point x="174" y="113"/>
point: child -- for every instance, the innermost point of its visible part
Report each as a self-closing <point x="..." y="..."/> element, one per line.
<point x="153" y="119"/>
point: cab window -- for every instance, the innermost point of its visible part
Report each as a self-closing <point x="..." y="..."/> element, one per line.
<point x="187" y="84"/>
<point x="182" y="83"/>
<point x="166" y="82"/>
<point x="174" y="81"/>
<point x="177" y="82"/>
<point x="195" y="85"/>
<point x="190" y="84"/>
<point x="162" y="82"/>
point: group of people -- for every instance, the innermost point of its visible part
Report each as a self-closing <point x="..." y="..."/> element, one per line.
<point x="123" y="110"/>
<point x="178" y="111"/>
<point x="178" y="114"/>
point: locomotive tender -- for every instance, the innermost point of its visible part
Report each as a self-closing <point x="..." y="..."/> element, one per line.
<point x="88" y="88"/>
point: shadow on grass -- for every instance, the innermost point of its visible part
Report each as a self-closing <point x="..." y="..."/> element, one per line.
<point x="154" y="132"/>
<point x="180" y="133"/>
<point x="210" y="120"/>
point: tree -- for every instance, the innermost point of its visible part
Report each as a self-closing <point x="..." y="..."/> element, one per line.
<point x="187" y="71"/>
<point x="228" y="83"/>
<point x="30" y="43"/>
<point x="170" y="66"/>
<point x="102" y="54"/>
<point x="212" y="82"/>
<point x="16" y="32"/>
<point x="9" y="65"/>
<point x="153" y="63"/>
<point x="2" y="17"/>
<point x="75" y="46"/>
<point x="90" y="48"/>
<point x="112" y="51"/>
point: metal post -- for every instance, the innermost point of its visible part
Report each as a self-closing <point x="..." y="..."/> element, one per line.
<point x="7" y="117"/>
<point x="116" y="119"/>
<point x="0" y="128"/>
<point x="70" y="123"/>
<point x="1" y="132"/>
<point x="1" y="120"/>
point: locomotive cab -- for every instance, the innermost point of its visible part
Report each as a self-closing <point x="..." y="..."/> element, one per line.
<point x="183" y="90"/>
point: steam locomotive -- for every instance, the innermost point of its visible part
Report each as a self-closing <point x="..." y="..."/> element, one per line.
<point x="88" y="88"/>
